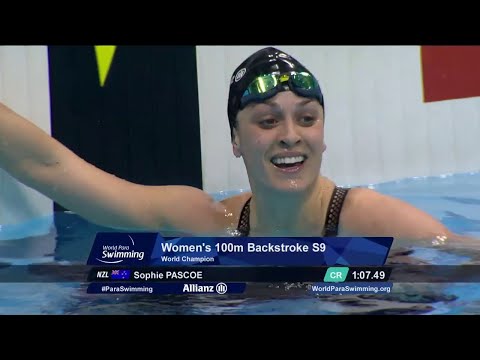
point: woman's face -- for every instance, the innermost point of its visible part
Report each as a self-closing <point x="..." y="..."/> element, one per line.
<point x="281" y="141"/>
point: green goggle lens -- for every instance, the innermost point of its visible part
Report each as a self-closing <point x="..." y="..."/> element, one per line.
<point x="266" y="86"/>
<point x="303" y="81"/>
<point x="261" y="85"/>
<point x="265" y="83"/>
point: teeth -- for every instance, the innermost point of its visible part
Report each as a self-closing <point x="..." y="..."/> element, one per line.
<point x="288" y="160"/>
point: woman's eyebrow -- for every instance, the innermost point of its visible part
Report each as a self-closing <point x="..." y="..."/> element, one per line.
<point x="300" y="104"/>
<point x="277" y="109"/>
<point x="273" y="108"/>
<point x="304" y="102"/>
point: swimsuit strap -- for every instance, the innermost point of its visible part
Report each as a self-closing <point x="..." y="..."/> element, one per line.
<point x="244" y="221"/>
<point x="331" y="222"/>
<point x="333" y="212"/>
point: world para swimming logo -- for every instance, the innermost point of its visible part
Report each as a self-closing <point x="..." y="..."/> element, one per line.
<point x="117" y="253"/>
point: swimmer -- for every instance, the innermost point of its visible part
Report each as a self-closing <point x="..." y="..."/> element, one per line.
<point x="276" y="112"/>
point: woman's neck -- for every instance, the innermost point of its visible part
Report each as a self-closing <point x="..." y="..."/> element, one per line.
<point x="275" y="213"/>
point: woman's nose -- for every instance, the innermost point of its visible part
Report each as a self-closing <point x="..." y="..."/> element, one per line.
<point x="289" y="133"/>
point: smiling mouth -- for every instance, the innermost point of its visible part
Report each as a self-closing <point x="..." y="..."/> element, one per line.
<point x="288" y="162"/>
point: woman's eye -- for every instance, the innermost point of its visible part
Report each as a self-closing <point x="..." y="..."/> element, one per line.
<point x="268" y="122"/>
<point x="307" y="120"/>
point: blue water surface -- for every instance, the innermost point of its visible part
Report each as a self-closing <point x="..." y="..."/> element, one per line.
<point x="67" y="238"/>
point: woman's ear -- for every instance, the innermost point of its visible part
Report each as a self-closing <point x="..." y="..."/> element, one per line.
<point x="236" y="144"/>
<point x="324" y="147"/>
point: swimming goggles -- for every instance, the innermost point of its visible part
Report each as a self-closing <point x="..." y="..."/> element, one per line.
<point x="266" y="86"/>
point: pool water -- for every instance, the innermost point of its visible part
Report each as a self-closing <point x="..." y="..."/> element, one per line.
<point x="453" y="199"/>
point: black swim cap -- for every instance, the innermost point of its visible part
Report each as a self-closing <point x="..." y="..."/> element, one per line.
<point x="265" y="61"/>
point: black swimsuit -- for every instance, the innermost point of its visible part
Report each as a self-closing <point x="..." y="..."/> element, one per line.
<point x="331" y="222"/>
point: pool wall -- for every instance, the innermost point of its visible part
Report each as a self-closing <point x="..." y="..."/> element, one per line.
<point x="24" y="86"/>
<point x="378" y="126"/>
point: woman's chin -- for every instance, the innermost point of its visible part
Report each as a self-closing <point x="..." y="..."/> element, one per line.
<point x="289" y="185"/>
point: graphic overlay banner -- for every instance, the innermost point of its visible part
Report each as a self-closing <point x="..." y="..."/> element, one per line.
<point x="133" y="263"/>
<point x="241" y="273"/>
<point x="398" y="273"/>
<point x="151" y="249"/>
<point x="220" y="288"/>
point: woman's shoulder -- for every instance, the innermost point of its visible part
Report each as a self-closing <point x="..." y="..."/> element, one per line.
<point x="332" y="190"/>
<point x="327" y="188"/>
<point x="327" y="182"/>
<point x="237" y="201"/>
<point x="234" y="205"/>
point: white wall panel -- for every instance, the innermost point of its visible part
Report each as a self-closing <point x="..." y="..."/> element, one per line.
<point x="24" y="87"/>
<point x="377" y="126"/>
